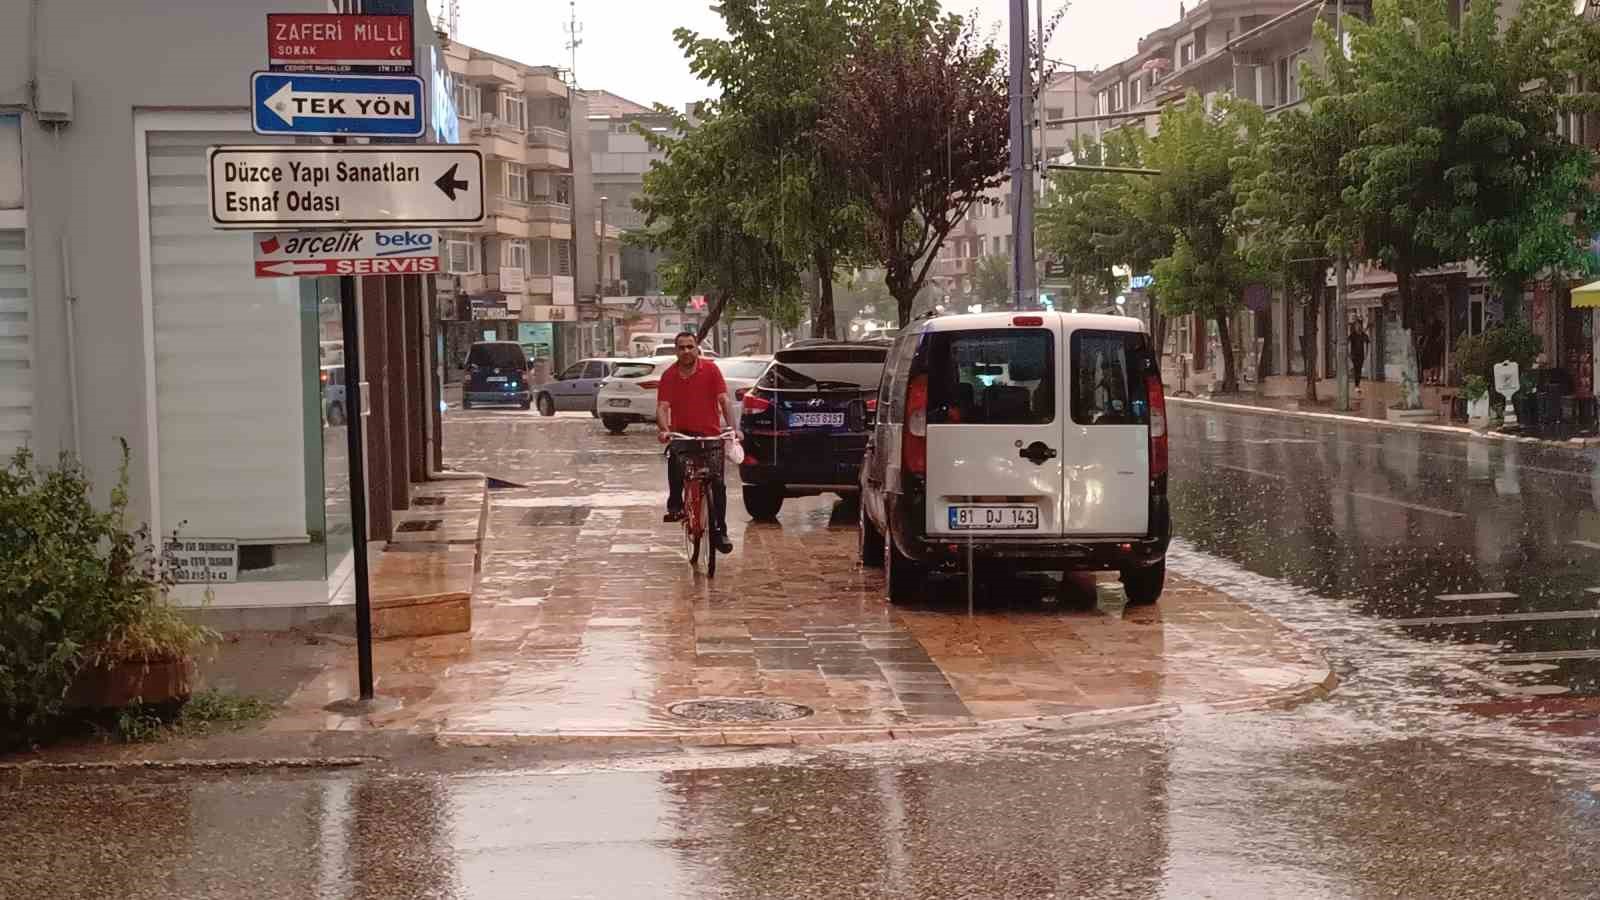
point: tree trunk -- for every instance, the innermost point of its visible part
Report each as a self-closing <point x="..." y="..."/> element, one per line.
<point x="1230" y="377"/>
<point x="713" y="316"/>
<point x="1308" y="342"/>
<point x="824" y="322"/>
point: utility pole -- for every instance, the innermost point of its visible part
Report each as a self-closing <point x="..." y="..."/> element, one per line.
<point x="600" y="253"/>
<point x="1341" y="312"/>
<point x="1024" y="288"/>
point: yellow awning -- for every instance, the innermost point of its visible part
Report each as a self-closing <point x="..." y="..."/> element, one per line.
<point x="1586" y="297"/>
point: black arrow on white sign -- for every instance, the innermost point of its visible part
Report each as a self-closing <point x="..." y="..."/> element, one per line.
<point x="449" y="183"/>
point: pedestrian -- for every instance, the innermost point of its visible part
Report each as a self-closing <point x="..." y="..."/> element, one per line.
<point x="1358" y="349"/>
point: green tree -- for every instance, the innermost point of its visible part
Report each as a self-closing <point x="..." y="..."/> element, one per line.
<point x="1457" y="158"/>
<point x="916" y="127"/>
<point x="1194" y="197"/>
<point x="695" y="212"/>
<point x="991" y="280"/>
<point x="1292" y="189"/>
<point x="772" y="72"/>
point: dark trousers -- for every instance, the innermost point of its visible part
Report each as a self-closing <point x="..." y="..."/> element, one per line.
<point x="1357" y="363"/>
<point x="719" y="493"/>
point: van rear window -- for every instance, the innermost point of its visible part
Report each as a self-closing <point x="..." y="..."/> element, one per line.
<point x="1108" y="378"/>
<point x="497" y="356"/>
<point x="992" y="377"/>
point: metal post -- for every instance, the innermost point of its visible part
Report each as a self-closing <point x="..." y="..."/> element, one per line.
<point x="600" y="253"/>
<point x="1341" y="354"/>
<point x="1023" y="276"/>
<point x="354" y="424"/>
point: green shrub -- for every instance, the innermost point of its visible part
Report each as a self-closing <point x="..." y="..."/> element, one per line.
<point x="77" y="587"/>
<point x="1479" y="354"/>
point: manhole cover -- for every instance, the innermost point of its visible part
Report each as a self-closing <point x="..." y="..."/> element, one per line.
<point x="556" y="515"/>
<point x="420" y="525"/>
<point x="739" y="710"/>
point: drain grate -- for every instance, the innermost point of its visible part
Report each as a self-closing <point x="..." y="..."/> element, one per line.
<point x="420" y="525"/>
<point x="739" y="710"/>
<point x="556" y="515"/>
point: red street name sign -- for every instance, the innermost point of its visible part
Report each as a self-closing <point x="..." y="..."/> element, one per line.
<point x="311" y="268"/>
<point x="329" y="42"/>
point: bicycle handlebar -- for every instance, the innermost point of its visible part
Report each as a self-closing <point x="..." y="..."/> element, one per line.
<point x="677" y="436"/>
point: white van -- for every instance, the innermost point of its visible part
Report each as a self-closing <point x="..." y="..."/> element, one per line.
<point x="1037" y="438"/>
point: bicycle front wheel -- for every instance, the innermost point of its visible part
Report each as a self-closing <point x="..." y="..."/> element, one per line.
<point x="693" y="521"/>
<point x="705" y="517"/>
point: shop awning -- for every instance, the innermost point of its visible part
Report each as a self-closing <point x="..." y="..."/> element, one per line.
<point x="1367" y="297"/>
<point x="1586" y="297"/>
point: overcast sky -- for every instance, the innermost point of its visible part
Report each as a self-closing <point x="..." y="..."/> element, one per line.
<point x="628" y="48"/>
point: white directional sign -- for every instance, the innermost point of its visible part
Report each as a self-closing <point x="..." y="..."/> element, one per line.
<point x="310" y="254"/>
<point x="263" y="187"/>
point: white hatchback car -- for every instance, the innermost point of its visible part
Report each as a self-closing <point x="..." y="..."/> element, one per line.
<point x="1037" y="439"/>
<point x="628" y="395"/>
<point x="741" y="373"/>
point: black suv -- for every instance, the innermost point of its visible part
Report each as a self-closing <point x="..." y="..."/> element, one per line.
<point x="497" y="372"/>
<point x="806" y="423"/>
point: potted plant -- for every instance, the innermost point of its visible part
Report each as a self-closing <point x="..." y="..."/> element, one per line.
<point x="85" y="613"/>
<point x="1475" y="388"/>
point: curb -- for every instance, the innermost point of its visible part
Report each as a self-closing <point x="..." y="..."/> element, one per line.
<point x="1458" y="430"/>
<point x="192" y="765"/>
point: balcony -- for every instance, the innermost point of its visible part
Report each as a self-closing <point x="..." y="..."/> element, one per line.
<point x="544" y="209"/>
<point x="541" y="285"/>
<point x="546" y="136"/>
<point x="548" y="158"/>
<point x="543" y="84"/>
<point x="493" y="70"/>
<point x="559" y="231"/>
<point x="497" y="139"/>
<point x="507" y="208"/>
<point x="617" y="288"/>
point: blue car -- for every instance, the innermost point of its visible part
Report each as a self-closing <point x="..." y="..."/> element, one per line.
<point x="497" y="372"/>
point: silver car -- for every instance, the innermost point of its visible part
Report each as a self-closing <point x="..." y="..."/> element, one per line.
<point x="576" y="387"/>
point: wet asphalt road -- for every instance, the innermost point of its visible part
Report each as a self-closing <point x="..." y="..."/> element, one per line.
<point x="1446" y="580"/>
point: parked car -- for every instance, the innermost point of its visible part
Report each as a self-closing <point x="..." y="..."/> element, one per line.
<point x="741" y="374"/>
<point x="497" y="372"/>
<point x="671" y="349"/>
<point x="629" y="395"/>
<point x="1037" y="439"/>
<point x="576" y="387"/>
<point x="806" y="423"/>
<point x="333" y="401"/>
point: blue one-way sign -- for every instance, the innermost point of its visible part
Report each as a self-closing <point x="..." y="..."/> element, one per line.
<point x="349" y="105"/>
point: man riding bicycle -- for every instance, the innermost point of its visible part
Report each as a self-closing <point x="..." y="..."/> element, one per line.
<point x="691" y="395"/>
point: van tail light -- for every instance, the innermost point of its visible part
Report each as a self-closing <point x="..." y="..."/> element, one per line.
<point x="1158" y="424"/>
<point x="649" y="385"/>
<point x="914" y="441"/>
<point x="872" y="404"/>
<point x="754" y="402"/>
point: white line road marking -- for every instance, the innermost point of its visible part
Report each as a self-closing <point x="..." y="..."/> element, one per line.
<point x="1434" y="510"/>
<point x="1544" y="655"/>
<point x="1546" y="616"/>
<point x="1273" y="475"/>
<point x="1497" y="595"/>
<point x="1587" y="545"/>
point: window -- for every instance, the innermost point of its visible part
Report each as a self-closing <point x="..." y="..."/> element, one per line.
<point x="563" y="257"/>
<point x="635" y="370"/>
<point x="514" y="255"/>
<point x="1185" y="53"/>
<point x="514" y="111"/>
<point x="1054" y="112"/>
<point x="992" y="377"/>
<point x="595" y="369"/>
<point x="466" y="100"/>
<point x="515" y="184"/>
<point x="466" y="257"/>
<point x="497" y="355"/>
<point x="1287" y="83"/>
<point x="1102" y="102"/>
<point x="826" y="368"/>
<point x="750" y="368"/>
<point x="999" y="245"/>
<point x="1134" y="94"/>
<point x="1116" y="97"/>
<point x="1107" y="387"/>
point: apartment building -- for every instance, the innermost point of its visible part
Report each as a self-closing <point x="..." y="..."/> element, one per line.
<point x="619" y="158"/>
<point x="526" y="273"/>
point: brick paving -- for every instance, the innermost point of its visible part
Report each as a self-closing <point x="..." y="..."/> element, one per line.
<point x="588" y="621"/>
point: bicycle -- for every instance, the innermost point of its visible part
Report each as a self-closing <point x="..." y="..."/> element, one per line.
<point x="701" y="462"/>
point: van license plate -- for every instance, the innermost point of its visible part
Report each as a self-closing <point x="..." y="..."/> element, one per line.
<point x="994" y="518"/>
<point x="803" y="420"/>
<point x="497" y="378"/>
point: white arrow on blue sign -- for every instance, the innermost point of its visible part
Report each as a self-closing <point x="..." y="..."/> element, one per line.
<point x="338" y="105"/>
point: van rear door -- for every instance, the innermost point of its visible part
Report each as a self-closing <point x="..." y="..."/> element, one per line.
<point x="1107" y="441"/>
<point x="994" y="429"/>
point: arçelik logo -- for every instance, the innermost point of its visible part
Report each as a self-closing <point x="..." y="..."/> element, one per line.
<point x="270" y="245"/>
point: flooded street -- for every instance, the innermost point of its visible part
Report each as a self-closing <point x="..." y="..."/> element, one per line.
<point x="1450" y="584"/>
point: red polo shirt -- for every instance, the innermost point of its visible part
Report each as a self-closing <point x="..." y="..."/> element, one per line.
<point x="694" y="398"/>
